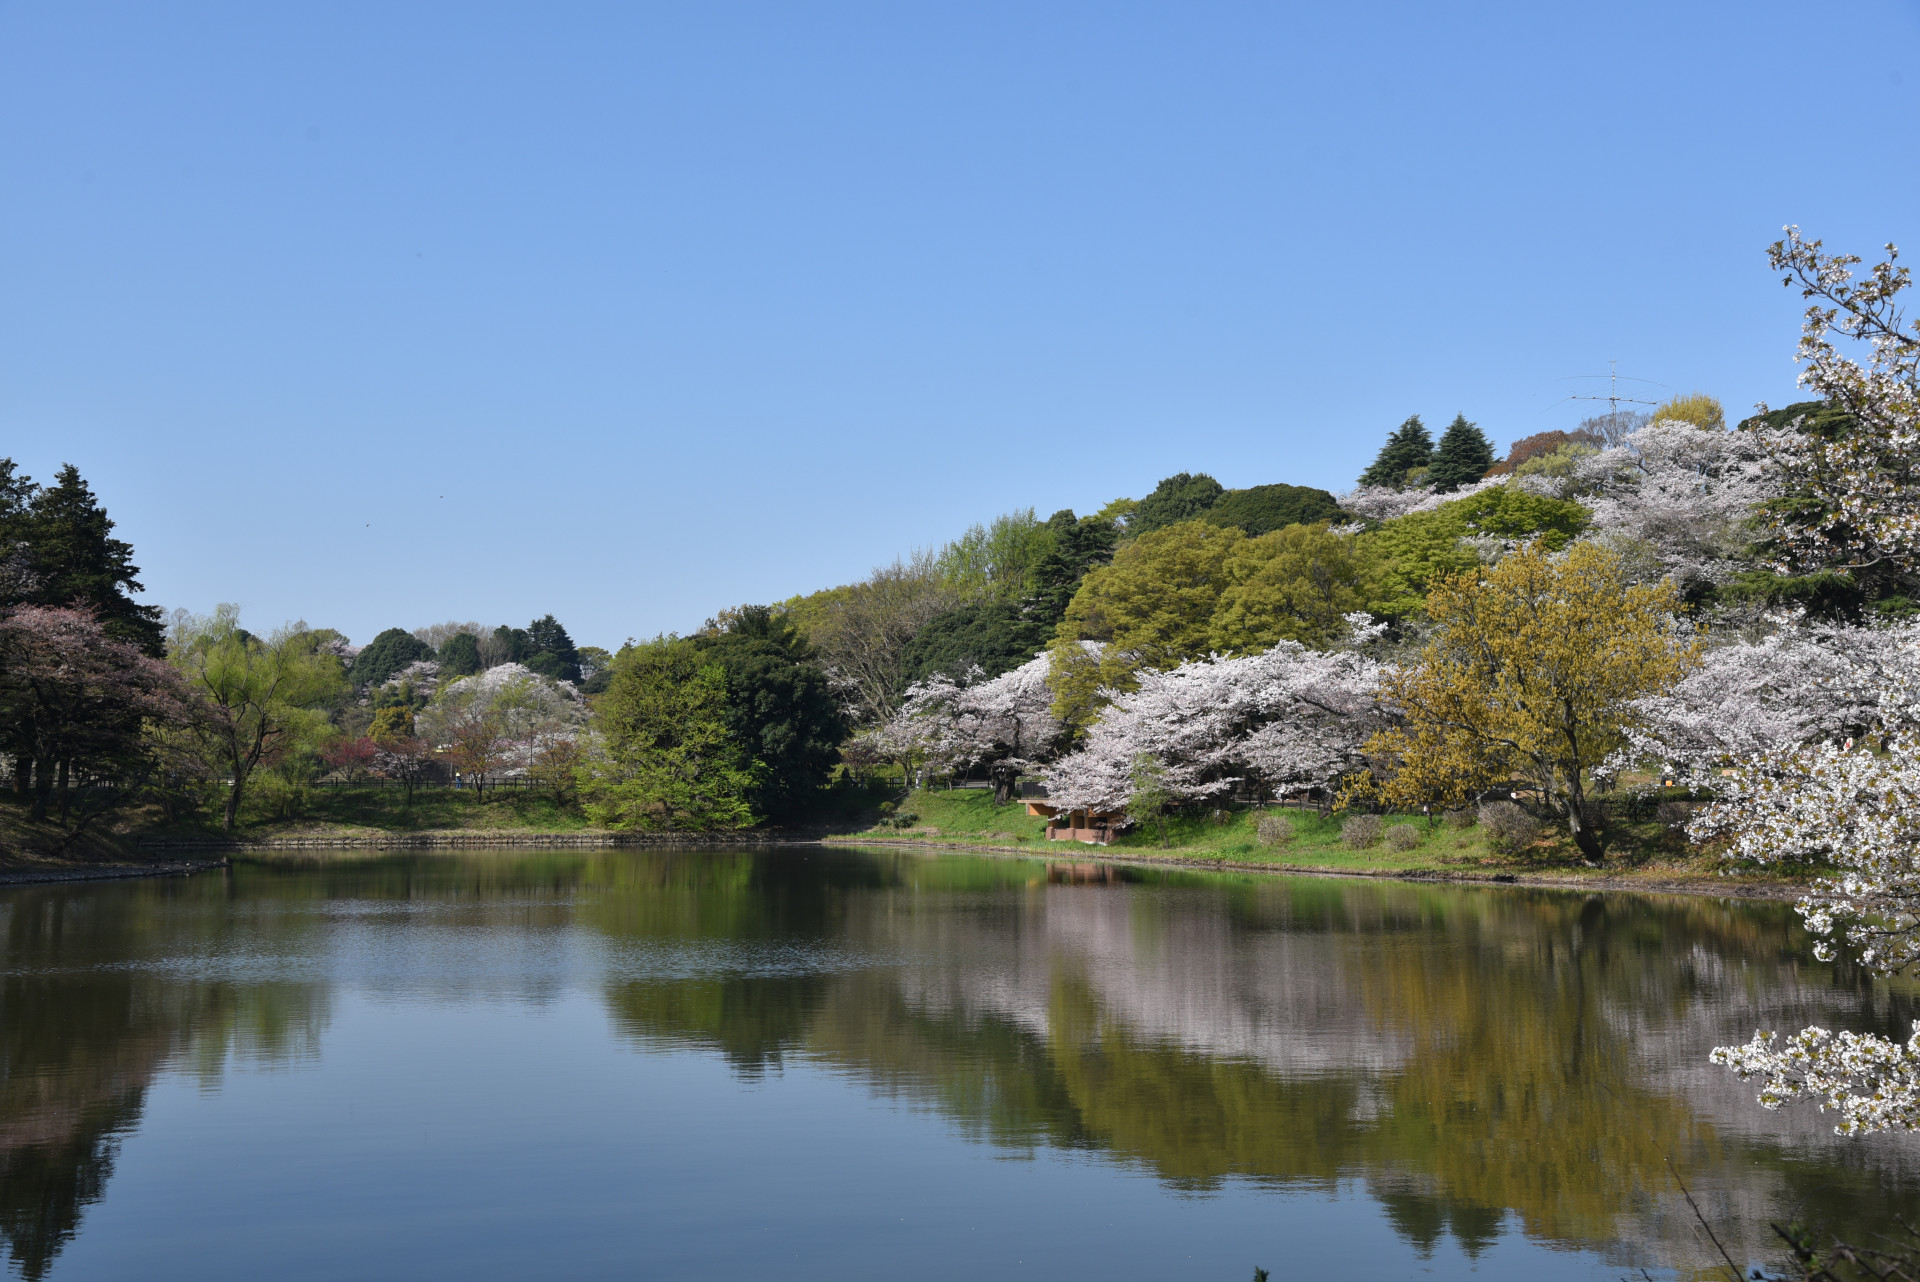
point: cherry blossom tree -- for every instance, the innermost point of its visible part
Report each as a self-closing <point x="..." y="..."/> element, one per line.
<point x="78" y="700"/>
<point x="1674" y="499"/>
<point x="1854" y="490"/>
<point x="1005" y="724"/>
<point x="1384" y="503"/>
<point x="1795" y="685"/>
<point x="1857" y="811"/>
<point x="1854" y="486"/>
<point x="1288" y="718"/>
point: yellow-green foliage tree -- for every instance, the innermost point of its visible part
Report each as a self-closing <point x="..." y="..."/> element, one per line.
<point x="1697" y="408"/>
<point x="1413" y="552"/>
<point x="260" y="698"/>
<point x="662" y="756"/>
<point x="1531" y="672"/>
<point x="1194" y="589"/>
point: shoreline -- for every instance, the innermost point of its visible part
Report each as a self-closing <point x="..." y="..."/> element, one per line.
<point x="1706" y="888"/>
<point x="107" y="872"/>
<point x="218" y="854"/>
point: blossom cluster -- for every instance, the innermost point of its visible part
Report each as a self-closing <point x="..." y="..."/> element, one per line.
<point x="1289" y="718"/>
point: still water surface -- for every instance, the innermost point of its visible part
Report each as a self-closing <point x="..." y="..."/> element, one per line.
<point x="829" y="1064"/>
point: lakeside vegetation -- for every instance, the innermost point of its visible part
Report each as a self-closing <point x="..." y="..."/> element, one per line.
<point x="1464" y="665"/>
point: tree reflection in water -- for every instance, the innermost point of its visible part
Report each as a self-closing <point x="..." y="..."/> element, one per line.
<point x="1479" y="1061"/>
<point x="85" y="1027"/>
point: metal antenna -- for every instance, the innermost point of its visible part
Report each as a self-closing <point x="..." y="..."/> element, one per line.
<point x="1613" y="397"/>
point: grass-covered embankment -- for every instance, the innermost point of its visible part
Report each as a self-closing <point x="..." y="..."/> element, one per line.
<point x="1645" y="853"/>
<point x="358" y="812"/>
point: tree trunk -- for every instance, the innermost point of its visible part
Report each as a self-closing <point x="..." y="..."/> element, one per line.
<point x="60" y="787"/>
<point x="42" y="789"/>
<point x="1584" y="837"/>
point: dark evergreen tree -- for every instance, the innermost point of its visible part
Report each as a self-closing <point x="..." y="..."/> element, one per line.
<point x="57" y="548"/>
<point x="1079" y="544"/>
<point x="1178" y="498"/>
<point x="1409" y="447"/>
<point x="990" y="635"/>
<point x="1464" y="456"/>
<point x="780" y="708"/>
<point x="553" y="654"/>
<point x="514" y="644"/>
<point x="1265" y="508"/>
<point x="385" y="655"/>
<point x="460" y="655"/>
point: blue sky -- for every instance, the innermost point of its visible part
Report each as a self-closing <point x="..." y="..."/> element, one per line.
<point x="686" y="306"/>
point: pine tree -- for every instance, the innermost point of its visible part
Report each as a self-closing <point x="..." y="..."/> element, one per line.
<point x="1464" y="456"/>
<point x="1409" y="447"/>
<point x="554" y="653"/>
<point x="72" y="556"/>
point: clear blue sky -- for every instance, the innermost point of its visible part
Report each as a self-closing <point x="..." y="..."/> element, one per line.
<point x="685" y="306"/>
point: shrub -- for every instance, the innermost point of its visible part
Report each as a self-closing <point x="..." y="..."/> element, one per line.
<point x="1673" y="813"/>
<point x="1461" y="818"/>
<point x="1275" y="830"/>
<point x="1403" y="837"/>
<point x="1362" y="831"/>
<point x="905" y="819"/>
<point x="1509" y="828"/>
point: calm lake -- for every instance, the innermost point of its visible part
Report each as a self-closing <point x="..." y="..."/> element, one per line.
<point x="820" y="1063"/>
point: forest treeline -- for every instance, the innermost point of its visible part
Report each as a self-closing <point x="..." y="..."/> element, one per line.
<point x="1027" y="646"/>
<point x="111" y="703"/>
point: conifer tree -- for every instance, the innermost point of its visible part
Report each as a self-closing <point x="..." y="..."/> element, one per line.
<point x="1464" y="456"/>
<point x="1409" y="447"/>
<point x="59" y="543"/>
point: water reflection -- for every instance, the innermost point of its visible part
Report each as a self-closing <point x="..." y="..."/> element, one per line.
<point x="1480" y="1061"/>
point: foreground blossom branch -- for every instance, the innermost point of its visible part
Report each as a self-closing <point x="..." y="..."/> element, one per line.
<point x="1858" y="812"/>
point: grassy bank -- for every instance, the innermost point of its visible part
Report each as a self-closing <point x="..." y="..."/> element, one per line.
<point x="348" y="812"/>
<point x="1645" y="853"/>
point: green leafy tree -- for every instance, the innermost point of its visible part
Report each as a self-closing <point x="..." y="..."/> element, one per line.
<point x="459" y="655"/>
<point x="1152" y="607"/>
<point x="1265" y="508"/>
<point x="259" y="697"/>
<point x="1295" y="584"/>
<point x="664" y="755"/>
<point x="1413" y="552"/>
<point x="386" y="654"/>
<point x="780" y="708"/>
<point x="1409" y="447"/>
<point x="1180" y="497"/>
<point x="992" y="560"/>
<point x="596" y="666"/>
<point x="1463" y="457"/>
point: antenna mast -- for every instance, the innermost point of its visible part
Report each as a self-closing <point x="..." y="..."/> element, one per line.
<point x="1613" y="397"/>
